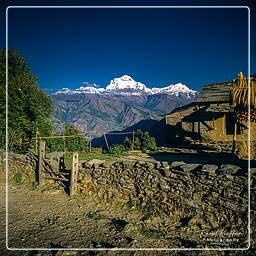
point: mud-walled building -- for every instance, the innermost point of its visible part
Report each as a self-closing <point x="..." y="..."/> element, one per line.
<point x="210" y="117"/>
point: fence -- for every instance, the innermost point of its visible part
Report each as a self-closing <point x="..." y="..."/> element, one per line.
<point x="46" y="170"/>
<point x="82" y="135"/>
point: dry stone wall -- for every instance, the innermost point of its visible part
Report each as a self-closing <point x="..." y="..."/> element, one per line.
<point x="20" y="167"/>
<point x="206" y="196"/>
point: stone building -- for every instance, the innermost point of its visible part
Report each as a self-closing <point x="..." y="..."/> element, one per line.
<point x="210" y="117"/>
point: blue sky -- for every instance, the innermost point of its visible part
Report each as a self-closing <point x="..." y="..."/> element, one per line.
<point x="157" y="47"/>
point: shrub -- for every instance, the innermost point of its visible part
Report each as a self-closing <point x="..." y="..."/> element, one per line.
<point x="96" y="150"/>
<point x="141" y="141"/>
<point x="17" y="178"/>
<point x="116" y="149"/>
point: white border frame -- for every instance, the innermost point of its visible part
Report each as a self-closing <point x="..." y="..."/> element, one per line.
<point x="131" y="249"/>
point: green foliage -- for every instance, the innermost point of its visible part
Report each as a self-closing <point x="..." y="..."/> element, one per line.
<point x="117" y="149"/>
<point x="70" y="144"/>
<point x="76" y="143"/>
<point x="141" y="141"/>
<point x="29" y="108"/>
<point x="17" y="178"/>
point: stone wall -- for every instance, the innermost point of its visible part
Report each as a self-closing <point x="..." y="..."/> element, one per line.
<point x="18" y="165"/>
<point x="206" y="196"/>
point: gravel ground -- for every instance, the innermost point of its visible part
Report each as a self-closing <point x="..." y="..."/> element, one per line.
<point x="49" y="218"/>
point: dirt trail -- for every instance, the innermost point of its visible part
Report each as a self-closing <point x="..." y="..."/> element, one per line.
<point x="51" y="219"/>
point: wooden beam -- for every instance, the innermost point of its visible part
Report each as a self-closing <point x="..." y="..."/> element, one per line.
<point x="41" y="158"/>
<point x="74" y="173"/>
<point x="106" y="140"/>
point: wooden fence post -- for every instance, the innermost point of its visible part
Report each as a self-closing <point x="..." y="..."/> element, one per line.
<point x="105" y="137"/>
<point x="74" y="173"/>
<point x="41" y="156"/>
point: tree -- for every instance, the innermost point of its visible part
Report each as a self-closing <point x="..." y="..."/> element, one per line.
<point x="29" y="108"/>
<point x="77" y="143"/>
<point x="141" y="141"/>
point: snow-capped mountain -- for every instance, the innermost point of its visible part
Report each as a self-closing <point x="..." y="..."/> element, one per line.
<point x="173" y="89"/>
<point x="123" y="103"/>
<point x="125" y="85"/>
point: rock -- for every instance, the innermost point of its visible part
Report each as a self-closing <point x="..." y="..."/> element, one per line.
<point x="209" y="168"/>
<point x="107" y="164"/>
<point x="253" y="171"/>
<point x="189" y="167"/>
<point x="54" y="155"/>
<point x="165" y="165"/>
<point x="158" y="164"/>
<point x="150" y="165"/>
<point x="128" y="164"/>
<point x="85" y="164"/>
<point x="95" y="162"/>
<point x="229" y="169"/>
<point x="177" y="163"/>
<point x="165" y="172"/>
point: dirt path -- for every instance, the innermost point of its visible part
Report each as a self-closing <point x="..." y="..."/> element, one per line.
<point x="51" y="219"/>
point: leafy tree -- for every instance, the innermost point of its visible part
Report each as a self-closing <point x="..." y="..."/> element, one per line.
<point x="74" y="143"/>
<point x="29" y="108"/>
<point x="141" y="141"/>
<point x="117" y="149"/>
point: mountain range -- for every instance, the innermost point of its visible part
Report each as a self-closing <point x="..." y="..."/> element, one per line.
<point x="122" y="104"/>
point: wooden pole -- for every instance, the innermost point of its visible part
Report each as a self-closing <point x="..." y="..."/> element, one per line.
<point x="90" y="144"/>
<point x="74" y="173"/>
<point x="106" y="140"/>
<point x="234" y="141"/>
<point x="36" y="140"/>
<point x="41" y="158"/>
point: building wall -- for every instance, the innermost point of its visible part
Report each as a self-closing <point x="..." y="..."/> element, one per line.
<point x="218" y="131"/>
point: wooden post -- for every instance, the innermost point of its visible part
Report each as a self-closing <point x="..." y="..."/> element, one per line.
<point x="234" y="141"/>
<point x="41" y="157"/>
<point x="36" y="140"/>
<point x="74" y="173"/>
<point x="106" y="140"/>
<point x="90" y="144"/>
<point x="132" y="140"/>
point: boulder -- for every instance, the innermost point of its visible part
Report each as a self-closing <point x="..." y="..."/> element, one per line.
<point x="229" y="169"/>
<point x="210" y="168"/>
<point x="177" y="163"/>
<point x="189" y="167"/>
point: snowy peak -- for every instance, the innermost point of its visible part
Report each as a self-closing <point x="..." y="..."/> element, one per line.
<point x="125" y="78"/>
<point x="64" y="91"/>
<point x="90" y="89"/>
<point x="126" y="85"/>
<point x="173" y="89"/>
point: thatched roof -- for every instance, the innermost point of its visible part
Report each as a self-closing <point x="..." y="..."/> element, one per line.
<point x="217" y="93"/>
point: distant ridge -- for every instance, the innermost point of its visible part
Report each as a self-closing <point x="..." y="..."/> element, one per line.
<point x="127" y="85"/>
<point x="122" y="104"/>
